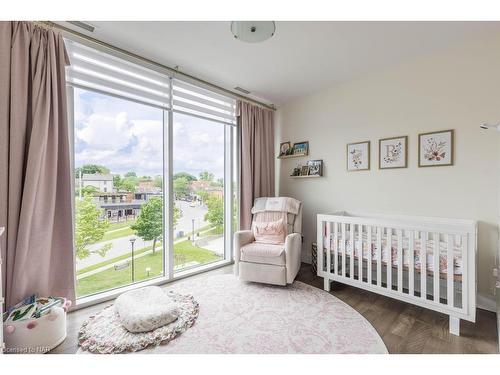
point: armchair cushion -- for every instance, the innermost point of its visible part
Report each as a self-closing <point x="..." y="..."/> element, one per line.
<point x="263" y="253"/>
<point x="271" y="232"/>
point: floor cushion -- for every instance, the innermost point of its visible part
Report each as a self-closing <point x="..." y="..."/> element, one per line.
<point x="145" y="309"/>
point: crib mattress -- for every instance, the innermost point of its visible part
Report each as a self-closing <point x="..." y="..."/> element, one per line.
<point x="372" y="255"/>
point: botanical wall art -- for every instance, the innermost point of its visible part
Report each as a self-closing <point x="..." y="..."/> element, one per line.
<point x="358" y="156"/>
<point x="435" y="149"/>
<point x="393" y="152"/>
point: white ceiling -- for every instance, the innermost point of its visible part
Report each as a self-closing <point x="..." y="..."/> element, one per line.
<point x="302" y="57"/>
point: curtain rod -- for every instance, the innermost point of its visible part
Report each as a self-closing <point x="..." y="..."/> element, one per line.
<point x="172" y="70"/>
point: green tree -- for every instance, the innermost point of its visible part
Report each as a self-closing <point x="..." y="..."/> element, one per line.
<point x="219" y="182"/>
<point x="215" y="213"/>
<point x="129" y="184"/>
<point x="117" y="181"/>
<point x="158" y="181"/>
<point x="89" y="227"/>
<point x="207" y="176"/>
<point x="181" y="187"/>
<point x="91" y="169"/>
<point x="186" y="175"/>
<point x="87" y="190"/>
<point x="130" y="174"/>
<point x="149" y="224"/>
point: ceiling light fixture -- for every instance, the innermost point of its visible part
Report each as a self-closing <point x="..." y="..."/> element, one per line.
<point x="253" y="31"/>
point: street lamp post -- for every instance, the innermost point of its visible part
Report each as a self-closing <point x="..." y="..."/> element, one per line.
<point x="132" y="240"/>
<point x="192" y="220"/>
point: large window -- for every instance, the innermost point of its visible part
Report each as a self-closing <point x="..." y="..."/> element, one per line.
<point x="155" y="175"/>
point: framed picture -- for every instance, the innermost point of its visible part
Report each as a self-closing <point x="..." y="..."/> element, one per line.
<point x="435" y="149"/>
<point x="285" y="149"/>
<point x="393" y="152"/>
<point x="358" y="156"/>
<point x="301" y="148"/>
<point x="304" y="171"/>
<point x="315" y="167"/>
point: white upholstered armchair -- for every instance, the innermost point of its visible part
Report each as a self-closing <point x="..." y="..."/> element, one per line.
<point x="270" y="263"/>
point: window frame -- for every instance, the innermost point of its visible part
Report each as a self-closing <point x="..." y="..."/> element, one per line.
<point x="231" y="189"/>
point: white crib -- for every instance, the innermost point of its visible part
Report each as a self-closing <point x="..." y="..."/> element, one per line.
<point x="373" y="252"/>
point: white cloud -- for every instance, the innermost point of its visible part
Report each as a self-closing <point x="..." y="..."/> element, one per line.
<point x="125" y="136"/>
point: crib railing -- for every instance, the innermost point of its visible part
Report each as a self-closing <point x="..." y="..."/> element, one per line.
<point x="345" y="245"/>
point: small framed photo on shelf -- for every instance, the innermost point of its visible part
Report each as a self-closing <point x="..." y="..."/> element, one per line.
<point x="285" y="149"/>
<point x="435" y="149"/>
<point x="358" y="156"/>
<point x="304" y="171"/>
<point x="393" y="152"/>
<point x="315" y="167"/>
<point x="301" y="148"/>
<point x="296" y="171"/>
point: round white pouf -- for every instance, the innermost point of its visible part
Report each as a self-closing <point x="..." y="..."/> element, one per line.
<point x="145" y="309"/>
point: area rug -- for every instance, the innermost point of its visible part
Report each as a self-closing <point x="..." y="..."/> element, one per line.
<point x="242" y="317"/>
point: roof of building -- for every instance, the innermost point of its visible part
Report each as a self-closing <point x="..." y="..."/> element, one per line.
<point x="97" y="177"/>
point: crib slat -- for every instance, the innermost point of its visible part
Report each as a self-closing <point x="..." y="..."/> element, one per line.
<point x="329" y="249"/>
<point x="400" y="261"/>
<point x="379" y="256"/>
<point x="352" y="228"/>
<point x="389" y="258"/>
<point x="436" y="267"/>
<point x="360" y="254"/>
<point x="342" y="247"/>
<point x="449" y="271"/>
<point x="423" y="265"/>
<point x="335" y="247"/>
<point x="320" y="246"/>
<point x="369" y="248"/>
<point x="411" y="270"/>
<point x="465" y="274"/>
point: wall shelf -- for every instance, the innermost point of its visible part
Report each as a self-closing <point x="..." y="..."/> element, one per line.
<point x="312" y="176"/>
<point x="291" y="156"/>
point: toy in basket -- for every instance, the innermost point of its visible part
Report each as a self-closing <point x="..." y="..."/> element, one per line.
<point x="36" y="325"/>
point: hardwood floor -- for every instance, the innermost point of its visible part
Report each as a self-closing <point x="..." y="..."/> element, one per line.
<point x="403" y="327"/>
<point x="407" y="328"/>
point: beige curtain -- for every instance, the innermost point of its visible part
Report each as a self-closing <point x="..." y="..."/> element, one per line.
<point x="35" y="167"/>
<point x="256" y="157"/>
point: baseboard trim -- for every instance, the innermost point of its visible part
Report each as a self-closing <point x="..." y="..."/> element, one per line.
<point x="486" y="303"/>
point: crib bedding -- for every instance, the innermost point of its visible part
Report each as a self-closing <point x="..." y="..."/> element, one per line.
<point x="358" y="244"/>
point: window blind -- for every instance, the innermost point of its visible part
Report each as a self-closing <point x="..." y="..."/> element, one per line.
<point x="93" y="69"/>
<point x="197" y="101"/>
<point x="107" y="73"/>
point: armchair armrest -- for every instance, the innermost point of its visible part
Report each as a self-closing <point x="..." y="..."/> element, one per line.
<point x="241" y="238"/>
<point x="293" y="250"/>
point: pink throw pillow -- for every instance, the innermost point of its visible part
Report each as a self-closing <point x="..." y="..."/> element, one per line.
<point x="272" y="232"/>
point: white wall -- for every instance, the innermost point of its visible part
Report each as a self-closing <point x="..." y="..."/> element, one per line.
<point x="456" y="89"/>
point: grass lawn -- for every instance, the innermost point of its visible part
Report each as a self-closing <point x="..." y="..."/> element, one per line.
<point x="110" y="278"/>
<point x="126" y="231"/>
<point x="121" y="224"/>
<point x="118" y="258"/>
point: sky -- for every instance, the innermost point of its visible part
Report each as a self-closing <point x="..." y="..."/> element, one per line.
<point x="126" y="136"/>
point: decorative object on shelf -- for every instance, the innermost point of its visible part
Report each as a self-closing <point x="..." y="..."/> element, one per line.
<point x="393" y="152"/>
<point x="296" y="170"/>
<point x="285" y="149"/>
<point x="301" y="148"/>
<point x="435" y="149"/>
<point x="304" y="171"/>
<point x="358" y="156"/>
<point x="315" y="167"/>
<point x="314" y="257"/>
